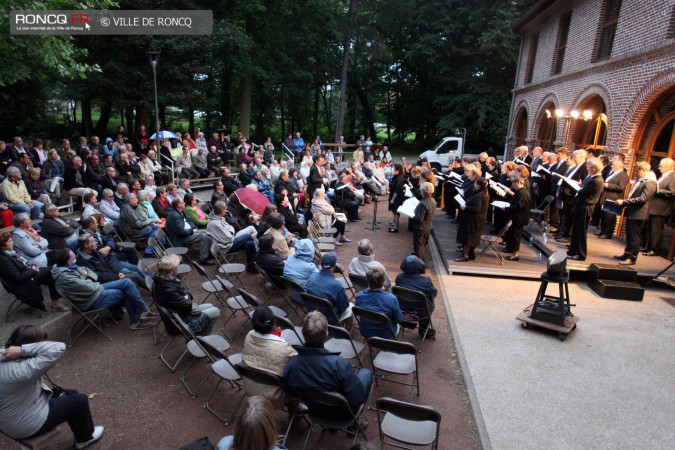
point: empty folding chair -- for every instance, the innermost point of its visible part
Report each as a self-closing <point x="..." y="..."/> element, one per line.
<point x="345" y="281"/>
<point x="340" y="341"/>
<point x="86" y="319"/>
<point x="415" y="300"/>
<point x="232" y="271"/>
<point x="224" y="367"/>
<point x="407" y="423"/>
<point x="394" y="357"/>
<point x="491" y="241"/>
<point x="159" y="251"/>
<point x="289" y="332"/>
<point x="212" y="286"/>
<point x="162" y="240"/>
<point x="539" y="213"/>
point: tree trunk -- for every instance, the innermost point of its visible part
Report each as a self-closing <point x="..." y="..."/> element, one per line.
<point x="315" y="120"/>
<point x="122" y="117"/>
<point x="142" y="118"/>
<point x="162" y="117"/>
<point x="326" y="109"/>
<point x="87" y="125"/>
<point x="131" y="131"/>
<point x="346" y="48"/>
<point x="191" y="119"/>
<point x="225" y="97"/>
<point x="352" y="115"/>
<point x="245" y="105"/>
<point x="102" y="124"/>
<point x="283" y="115"/>
<point x="367" y="112"/>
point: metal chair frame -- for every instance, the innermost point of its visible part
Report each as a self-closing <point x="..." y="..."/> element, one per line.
<point x="340" y="340"/>
<point x="490" y="242"/>
<point x="389" y="352"/>
<point x="413" y="296"/>
<point x="88" y="319"/>
<point x="405" y="418"/>
<point x="223" y="366"/>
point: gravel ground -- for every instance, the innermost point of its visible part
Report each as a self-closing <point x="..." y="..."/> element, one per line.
<point x="143" y="405"/>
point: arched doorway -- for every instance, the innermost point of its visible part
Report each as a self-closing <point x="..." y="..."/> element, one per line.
<point x="521" y="127"/>
<point x="548" y="128"/>
<point x="592" y="133"/>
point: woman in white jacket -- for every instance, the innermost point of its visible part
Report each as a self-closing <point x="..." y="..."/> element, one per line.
<point x="28" y="407"/>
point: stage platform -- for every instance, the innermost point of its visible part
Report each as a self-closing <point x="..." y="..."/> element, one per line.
<point x="533" y="254"/>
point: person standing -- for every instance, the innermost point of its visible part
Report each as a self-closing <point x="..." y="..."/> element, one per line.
<point x="586" y="199"/>
<point x="472" y="220"/>
<point x="661" y="206"/>
<point x="615" y="186"/>
<point x="519" y="214"/>
<point x="396" y="195"/>
<point x="423" y="220"/>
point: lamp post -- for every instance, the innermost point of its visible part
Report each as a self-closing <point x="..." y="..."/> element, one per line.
<point x="154" y="60"/>
<point x="573" y="115"/>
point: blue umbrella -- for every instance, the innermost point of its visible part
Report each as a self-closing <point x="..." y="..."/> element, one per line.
<point x="165" y="135"/>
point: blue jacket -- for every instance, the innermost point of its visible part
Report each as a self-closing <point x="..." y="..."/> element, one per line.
<point x="383" y="302"/>
<point x="300" y="266"/>
<point x="318" y="369"/>
<point x="175" y="227"/>
<point x="323" y="284"/>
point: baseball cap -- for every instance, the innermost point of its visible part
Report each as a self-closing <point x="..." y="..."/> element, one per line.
<point x="329" y="260"/>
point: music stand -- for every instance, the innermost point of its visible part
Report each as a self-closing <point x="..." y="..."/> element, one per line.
<point x="374" y="224"/>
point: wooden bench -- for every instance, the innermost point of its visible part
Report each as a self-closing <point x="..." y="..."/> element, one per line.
<point x="40" y="441"/>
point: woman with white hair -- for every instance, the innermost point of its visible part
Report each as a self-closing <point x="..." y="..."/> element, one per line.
<point x="323" y="215"/>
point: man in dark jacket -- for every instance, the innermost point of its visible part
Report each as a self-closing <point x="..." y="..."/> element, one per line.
<point x="229" y="183"/>
<point x="661" y="206"/>
<point x="316" y="369"/>
<point x="315" y="180"/>
<point x="412" y="277"/>
<point x="58" y="232"/>
<point x="615" y="186"/>
<point x="586" y="199"/>
<point x="181" y="232"/>
<point x="105" y="263"/>
<point x="269" y="260"/>
<point x="422" y="222"/>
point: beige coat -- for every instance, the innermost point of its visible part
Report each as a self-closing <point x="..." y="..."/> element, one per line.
<point x="266" y="352"/>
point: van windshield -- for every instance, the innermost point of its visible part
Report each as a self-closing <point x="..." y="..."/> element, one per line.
<point x="446" y="147"/>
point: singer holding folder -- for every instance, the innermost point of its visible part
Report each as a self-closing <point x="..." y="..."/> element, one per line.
<point x="615" y="186"/>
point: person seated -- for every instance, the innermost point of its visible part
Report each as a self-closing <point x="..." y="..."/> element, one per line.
<point x="87" y="294"/>
<point x="230" y="184"/>
<point x="161" y="203"/>
<point x="93" y="225"/>
<point x="316" y="369"/>
<point x="25" y="280"/>
<point x="28" y="407"/>
<point x="24" y="164"/>
<point x="161" y="177"/>
<point x="183" y="233"/>
<point x="105" y="263"/>
<point x="53" y="172"/>
<point x="128" y="172"/>
<point x="135" y="222"/>
<point x="145" y="200"/>
<point x="229" y="240"/>
<point x="110" y="180"/>
<point x="74" y="179"/>
<point x="183" y="188"/>
<point x="193" y="211"/>
<point x="263" y="186"/>
<point x="150" y="187"/>
<point x="213" y="160"/>
<point x="255" y="428"/>
<point x="184" y="164"/>
<point x="58" y="232"/>
<point x="108" y="207"/>
<point x="411" y="277"/>
<point x="28" y="243"/>
<point x="169" y="292"/>
<point x="323" y="284"/>
<point x="365" y="261"/>
<point x="244" y="177"/>
<point x="281" y="236"/>
<point x="265" y="349"/>
<point x="300" y="265"/>
<point x="219" y="194"/>
<point x="323" y="212"/>
<point x="16" y="195"/>
<point x="375" y="298"/>
<point x="91" y="206"/>
<point x="293" y="221"/>
<point x="121" y="197"/>
<point x="35" y="188"/>
<point x="346" y="198"/>
<point x="268" y="259"/>
<point x="200" y="164"/>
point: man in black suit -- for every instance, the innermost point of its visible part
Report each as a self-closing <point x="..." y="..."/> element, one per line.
<point x="661" y="206"/>
<point x="566" y="194"/>
<point x="637" y="211"/>
<point x="586" y="198"/>
<point x="615" y="186"/>
<point x="560" y="168"/>
<point x="182" y="232"/>
<point x="315" y="180"/>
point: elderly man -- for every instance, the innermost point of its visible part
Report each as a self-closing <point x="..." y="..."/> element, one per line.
<point x="365" y="261"/>
<point x="375" y="298"/>
<point x="184" y="187"/>
<point x="316" y="369"/>
<point x="661" y="206"/>
<point x="17" y="196"/>
<point x="200" y="164"/>
<point x="323" y="284"/>
<point x="28" y="243"/>
<point x="23" y="164"/>
<point x="58" y="232"/>
<point x="230" y="184"/>
<point x="577" y="171"/>
<point x="105" y="263"/>
<point x="229" y="241"/>
<point x="121" y="197"/>
<point x="615" y="186"/>
<point x="587" y="197"/>
<point x="263" y="185"/>
<point x="276" y="223"/>
<point x="182" y="232"/>
<point x="213" y="160"/>
<point x="156" y="167"/>
<point x="135" y="222"/>
<point x="184" y="164"/>
<point x="74" y="179"/>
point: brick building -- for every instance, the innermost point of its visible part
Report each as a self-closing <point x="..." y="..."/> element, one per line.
<point x="614" y="60"/>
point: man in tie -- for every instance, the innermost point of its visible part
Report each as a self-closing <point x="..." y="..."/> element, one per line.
<point x="637" y="210"/>
<point x="577" y="172"/>
<point x="560" y="168"/>
<point x="586" y="198"/>
<point x="615" y="187"/>
<point x="661" y="206"/>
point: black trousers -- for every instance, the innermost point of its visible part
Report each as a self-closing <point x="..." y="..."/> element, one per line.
<point x="71" y="407"/>
<point x="582" y="217"/>
<point x="420" y="242"/>
<point x="44" y="278"/>
<point x="655" y="230"/>
<point x="513" y="237"/>
<point x="607" y="223"/>
<point x="633" y="229"/>
<point x="351" y="208"/>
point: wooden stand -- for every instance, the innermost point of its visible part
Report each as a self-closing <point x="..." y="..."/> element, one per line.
<point x="563" y="331"/>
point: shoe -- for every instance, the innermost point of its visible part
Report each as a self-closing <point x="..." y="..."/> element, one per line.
<point x="38" y="312"/>
<point x="604" y="236"/>
<point x="150" y="315"/>
<point x="254" y="270"/>
<point x="344" y="239"/>
<point x="430" y="332"/>
<point x="599" y="233"/>
<point x="461" y="259"/>
<point x="627" y="262"/>
<point x="621" y="257"/>
<point x="512" y="258"/>
<point x="643" y="249"/>
<point x="96" y="435"/>
<point x="650" y="253"/>
<point x="57" y="307"/>
<point x="393" y="230"/>
<point x="140" y="325"/>
<point x="354" y="428"/>
<point x="208" y="262"/>
<point x="337" y="244"/>
<point x="577" y="258"/>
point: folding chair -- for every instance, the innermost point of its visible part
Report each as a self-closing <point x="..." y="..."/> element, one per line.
<point x="367" y="315"/>
<point x="87" y="319"/>
<point x="274" y="289"/>
<point x="320" y="304"/>
<point x="9" y="311"/>
<point x="538" y="213"/>
<point x="491" y="242"/>
<point x="196" y="350"/>
<point x="171" y="250"/>
<point x="253" y="302"/>
<point x="232" y="271"/>
<point x="414" y="300"/>
<point x="395" y="357"/>
<point x="407" y="423"/>
<point x="340" y="341"/>
<point x="359" y="282"/>
<point x="318" y="235"/>
<point x="345" y="281"/>
<point x="211" y="286"/>
<point x="323" y="231"/>
<point x="331" y="411"/>
<point x="173" y="332"/>
<point x="289" y="332"/>
<point x="265" y="378"/>
<point x="294" y="293"/>
<point x="121" y="239"/>
<point x="223" y="366"/>
<point x="183" y="268"/>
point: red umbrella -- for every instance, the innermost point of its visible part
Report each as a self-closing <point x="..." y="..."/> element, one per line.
<point x="253" y="200"/>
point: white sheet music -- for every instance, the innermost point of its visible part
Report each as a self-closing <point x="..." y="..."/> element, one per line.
<point x="408" y="207"/>
<point x="460" y="200"/>
<point x="500" y="204"/>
